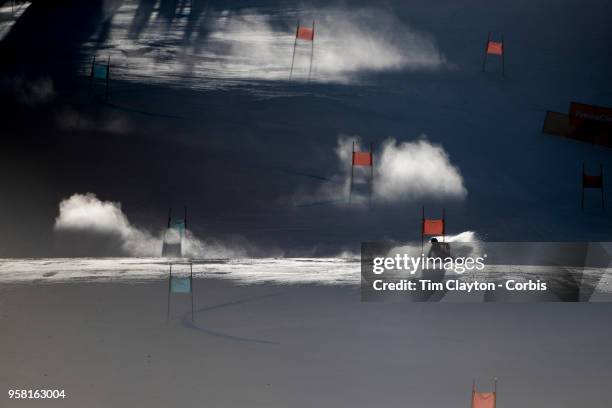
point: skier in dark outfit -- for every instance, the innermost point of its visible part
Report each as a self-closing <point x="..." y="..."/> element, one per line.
<point x="438" y="249"/>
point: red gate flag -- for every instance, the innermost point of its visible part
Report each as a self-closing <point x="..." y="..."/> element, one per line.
<point x="592" y="181"/>
<point x="483" y="400"/>
<point x="305" y="33"/>
<point x="433" y="227"/>
<point x="362" y="158"/>
<point x="495" y="48"/>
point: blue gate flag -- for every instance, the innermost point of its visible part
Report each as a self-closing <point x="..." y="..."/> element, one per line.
<point x="180" y="284"/>
<point x="178" y="225"/>
<point x="100" y="71"/>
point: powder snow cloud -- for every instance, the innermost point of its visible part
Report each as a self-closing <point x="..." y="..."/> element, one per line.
<point x="404" y="171"/>
<point x="256" y="44"/>
<point x="87" y="215"/>
<point x="408" y="171"/>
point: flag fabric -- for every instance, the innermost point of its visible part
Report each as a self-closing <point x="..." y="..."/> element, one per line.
<point x="362" y="158"/>
<point x="433" y="227"/>
<point x="305" y="33"/>
<point x="100" y="71"/>
<point x="178" y="225"/>
<point x="180" y="284"/>
<point x="495" y="48"/>
<point x="483" y="400"/>
<point x="592" y="181"/>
